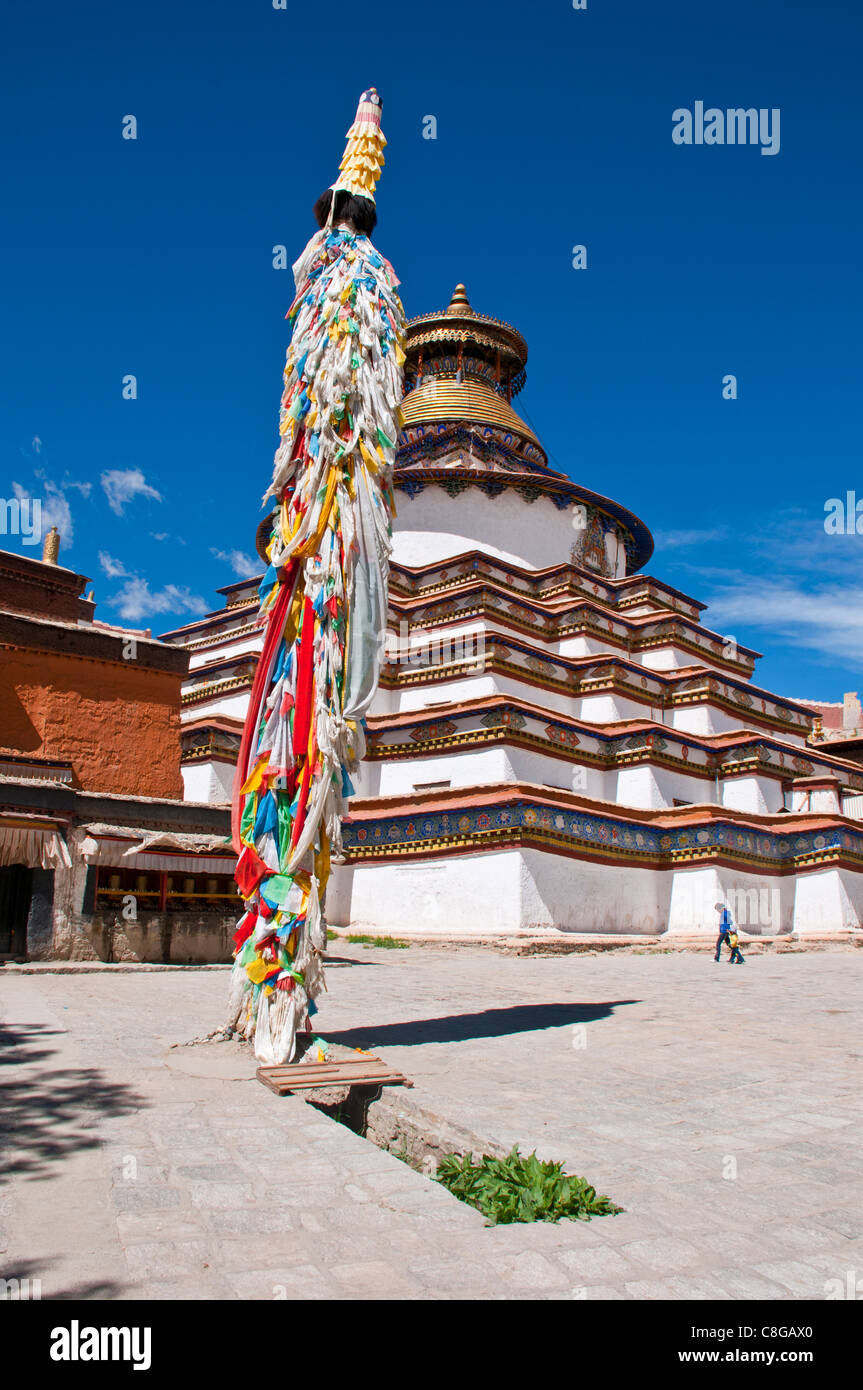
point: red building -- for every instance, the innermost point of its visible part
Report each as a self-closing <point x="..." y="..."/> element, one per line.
<point x="100" y="857"/>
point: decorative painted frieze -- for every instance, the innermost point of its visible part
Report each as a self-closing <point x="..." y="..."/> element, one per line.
<point x="503" y="719"/>
<point x="424" y="733"/>
<point x="567" y="738"/>
<point x="581" y="833"/>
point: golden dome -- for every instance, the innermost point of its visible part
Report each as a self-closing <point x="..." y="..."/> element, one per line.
<point x="442" y="398"/>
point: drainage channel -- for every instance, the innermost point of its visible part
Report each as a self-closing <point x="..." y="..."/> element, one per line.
<point x="421" y="1138"/>
<point x="383" y="1115"/>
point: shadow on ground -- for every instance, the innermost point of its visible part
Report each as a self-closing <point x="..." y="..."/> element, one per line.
<point x="490" y="1023"/>
<point x="24" y="1283"/>
<point x="346" y="960"/>
<point x="46" y="1115"/>
<point x="21" y="1283"/>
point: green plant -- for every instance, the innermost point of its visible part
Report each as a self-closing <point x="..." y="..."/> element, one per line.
<point x="516" y="1188"/>
<point x="386" y="943"/>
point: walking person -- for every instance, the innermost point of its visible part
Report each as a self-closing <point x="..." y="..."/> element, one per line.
<point x="725" y="925"/>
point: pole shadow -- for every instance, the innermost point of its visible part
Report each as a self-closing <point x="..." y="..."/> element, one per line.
<point x="490" y="1023"/>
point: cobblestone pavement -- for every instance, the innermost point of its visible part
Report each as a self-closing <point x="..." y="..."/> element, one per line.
<point x="718" y="1105"/>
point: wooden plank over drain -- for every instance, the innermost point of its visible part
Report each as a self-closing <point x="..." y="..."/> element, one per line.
<point x="303" y="1076"/>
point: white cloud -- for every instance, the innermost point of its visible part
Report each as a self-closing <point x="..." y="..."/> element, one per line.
<point x="84" y="488"/>
<point x="55" y="510"/>
<point x="790" y="542"/>
<point x="115" y="569"/>
<point x="783" y="577"/>
<point x="684" y="540"/>
<point x="54" y="503"/>
<point x="246" y="566"/>
<point x="136" y="600"/>
<point x="827" y="620"/>
<point x="121" y="485"/>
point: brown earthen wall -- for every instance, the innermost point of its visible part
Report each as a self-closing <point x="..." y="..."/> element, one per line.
<point x="29" y="586"/>
<point x="119" y="725"/>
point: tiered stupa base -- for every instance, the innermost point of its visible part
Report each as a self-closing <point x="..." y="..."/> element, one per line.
<point x="505" y="861"/>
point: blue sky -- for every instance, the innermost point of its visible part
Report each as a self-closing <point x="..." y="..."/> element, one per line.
<point x="154" y="258"/>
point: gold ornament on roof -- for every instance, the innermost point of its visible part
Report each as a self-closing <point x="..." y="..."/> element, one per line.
<point x="51" y="547"/>
<point x="459" y="304"/>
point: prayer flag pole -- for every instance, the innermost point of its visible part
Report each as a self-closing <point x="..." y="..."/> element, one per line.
<point x="323" y="599"/>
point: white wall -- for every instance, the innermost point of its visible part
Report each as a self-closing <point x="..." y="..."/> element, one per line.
<point x="761" y="794"/>
<point x="434" y="526"/>
<point x="643" y="785"/>
<point x="671" y="658"/>
<point x="207" y="781"/>
<point x="251" y="644"/>
<point x="497" y="892"/>
<point x="760" y="905"/>
<point x="460" y="769"/>
<point x="638" y="786"/>
<point x="582" y="644"/>
<point x="429" y="695"/>
<point x="708" y="719"/>
<point x="506" y="891"/>
<point x="576" y="895"/>
<point x="475" y="767"/>
<point x="607" y="709"/>
<point x="829" y="901"/>
<point x="825" y="800"/>
<point x="476" y="893"/>
<point x="704" y="719"/>
<point x="852" y="805"/>
<point x="232" y="703"/>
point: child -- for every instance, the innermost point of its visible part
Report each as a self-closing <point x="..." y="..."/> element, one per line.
<point x="734" y="942"/>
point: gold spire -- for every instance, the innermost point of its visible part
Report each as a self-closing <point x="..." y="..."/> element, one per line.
<point x="465" y="367"/>
<point x="459" y="304"/>
<point x="51" y="547"/>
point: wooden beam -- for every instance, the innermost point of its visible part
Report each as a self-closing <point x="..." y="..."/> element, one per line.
<point x="299" y="1076"/>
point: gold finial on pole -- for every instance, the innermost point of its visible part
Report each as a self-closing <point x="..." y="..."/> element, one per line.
<point x="51" y="547"/>
<point x="363" y="158"/>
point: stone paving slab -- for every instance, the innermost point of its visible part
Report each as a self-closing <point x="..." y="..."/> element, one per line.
<point x="719" y="1106"/>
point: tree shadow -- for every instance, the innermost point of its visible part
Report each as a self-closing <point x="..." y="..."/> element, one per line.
<point x="490" y="1023"/>
<point x="19" y="1282"/>
<point x="45" y="1115"/>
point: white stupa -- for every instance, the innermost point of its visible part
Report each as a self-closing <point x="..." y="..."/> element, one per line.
<point x="558" y="743"/>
